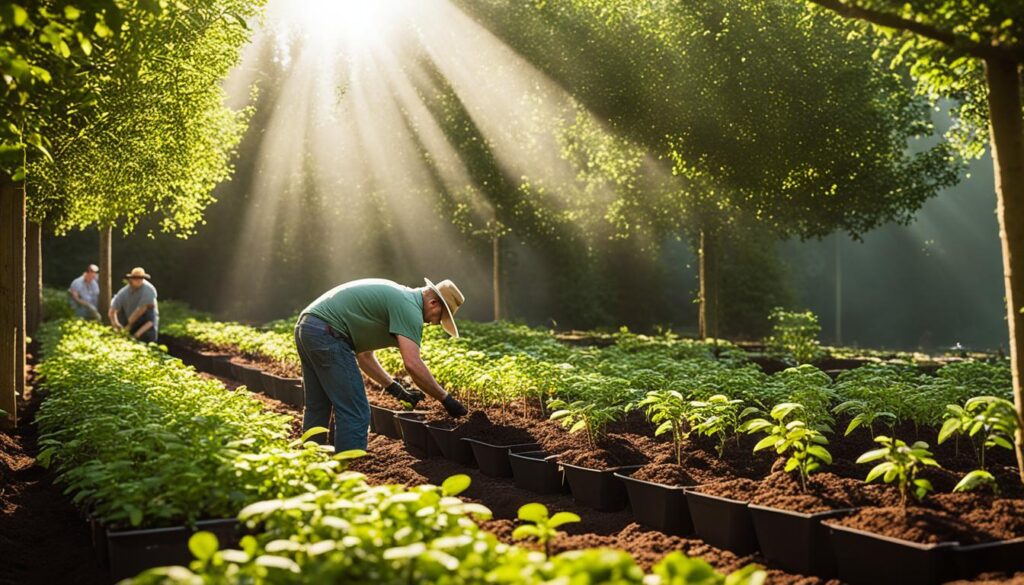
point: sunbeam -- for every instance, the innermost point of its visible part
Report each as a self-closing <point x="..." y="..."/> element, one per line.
<point x="368" y="113"/>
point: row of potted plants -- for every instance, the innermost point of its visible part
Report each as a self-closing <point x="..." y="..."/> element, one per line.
<point x="143" y="442"/>
<point x="806" y="543"/>
<point x="151" y="452"/>
<point x="390" y="534"/>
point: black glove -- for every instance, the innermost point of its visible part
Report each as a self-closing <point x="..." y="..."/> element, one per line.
<point x="398" y="391"/>
<point x="454" y="407"/>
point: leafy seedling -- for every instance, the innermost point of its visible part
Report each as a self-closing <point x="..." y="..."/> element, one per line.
<point x="543" y="527"/>
<point x="995" y="420"/>
<point x="900" y="465"/>
<point x="803" y="445"/>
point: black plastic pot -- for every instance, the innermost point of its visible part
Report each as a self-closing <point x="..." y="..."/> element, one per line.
<point x="493" y="459"/>
<point x="1004" y="556"/>
<point x="537" y="472"/>
<point x="98" y="535"/>
<point x="659" y="506"/>
<point x="133" y="551"/>
<point x="415" y="436"/>
<point x="722" y="522"/>
<point x="220" y="365"/>
<point x="251" y="377"/>
<point x="597" y="488"/>
<point x="383" y="422"/>
<point x="795" y="541"/>
<point x="289" y="391"/>
<point x="863" y="558"/>
<point x="452" y="447"/>
<point x="269" y="385"/>
<point x="206" y="361"/>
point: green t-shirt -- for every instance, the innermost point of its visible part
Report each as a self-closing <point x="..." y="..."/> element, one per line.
<point x="371" y="312"/>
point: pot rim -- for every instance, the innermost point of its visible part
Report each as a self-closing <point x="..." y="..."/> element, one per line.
<point x="694" y="490"/>
<point x="892" y="539"/>
<point x="628" y="478"/>
<point x="486" y="444"/>
<point x="610" y="469"/>
<point x="806" y="515"/>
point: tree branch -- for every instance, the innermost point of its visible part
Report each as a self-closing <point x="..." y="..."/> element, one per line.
<point x="1014" y="53"/>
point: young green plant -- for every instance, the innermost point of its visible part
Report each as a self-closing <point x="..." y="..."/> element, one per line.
<point x="803" y="445"/>
<point x="995" y="420"/>
<point x="864" y="415"/>
<point x="718" y="417"/>
<point x="668" y="410"/>
<point x="590" y="416"/>
<point x="900" y="464"/>
<point x="542" y="527"/>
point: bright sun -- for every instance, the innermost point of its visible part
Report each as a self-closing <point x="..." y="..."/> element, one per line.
<point x="355" y="23"/>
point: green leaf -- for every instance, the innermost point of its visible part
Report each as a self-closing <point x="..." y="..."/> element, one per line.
<point x="203" y="545"/>
<point x="766" y="442"/>
<point x="856" y="422"/>
<point x="877" y="471"/>
<point x="282" y="563"/>
<point x="821" y="453"/>
<point x="405" y="552"/>
<point x="312" y="433"/>
<point x="1001" y="442"/>
<point x="19" y="15"/>
<point x="455" y="485"/>
<point x="525" y="531"/>
<point x="533" y="512"/>
<point x="134" y="514"/>
<point x="949" y="427"/>
<point x="561" y="518"/>
<point x="873" y="455"/>
<point x="974" y="479"/>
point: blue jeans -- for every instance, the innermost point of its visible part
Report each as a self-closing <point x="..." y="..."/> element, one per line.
<point x="331" y="378"/>
<point x="149" y="315"/>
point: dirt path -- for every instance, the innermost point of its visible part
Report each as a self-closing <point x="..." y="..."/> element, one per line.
<point x="43" y="540"/>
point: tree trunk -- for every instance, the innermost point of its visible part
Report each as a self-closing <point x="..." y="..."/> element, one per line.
<point x="496" y="275"/>
<point x="105" y="269"/>
<point x="709" y="284"/>
<point x="12" y="296"/>
<point x="1006" y="127"/>
<point x="33" y="278"/>
<point x="839" y="290"/>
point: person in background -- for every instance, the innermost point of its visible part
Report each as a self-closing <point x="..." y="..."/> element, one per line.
<point x="136" y="304"/>
<point x="85" y="293"/>
<point x="337" y="334"/>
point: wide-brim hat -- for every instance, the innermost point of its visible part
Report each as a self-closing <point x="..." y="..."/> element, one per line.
<point x="452" y="299"/>
<point x="137" y="272"/>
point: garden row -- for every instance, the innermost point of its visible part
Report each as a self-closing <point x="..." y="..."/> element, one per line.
<point x="156" y="457"/>
<point x="505" y="369"/>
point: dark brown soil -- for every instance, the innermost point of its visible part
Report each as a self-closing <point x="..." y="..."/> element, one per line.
<point x="965" y="518"/>
<point x="825" y="491"/>
<point x="993" y="579"/>
<point x="741" y="488"/>
<point x="43" y="540"/>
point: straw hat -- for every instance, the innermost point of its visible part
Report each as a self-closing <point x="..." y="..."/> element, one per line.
<point x="452" y="299"/>
<point x="137" y="272"/>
